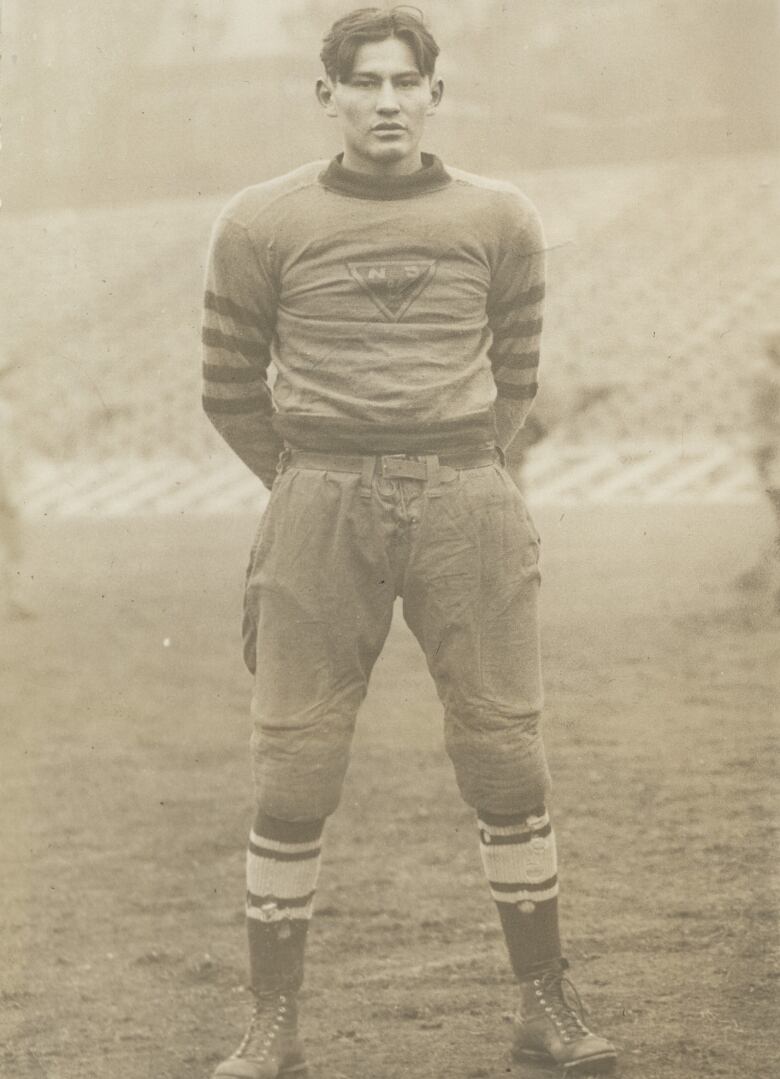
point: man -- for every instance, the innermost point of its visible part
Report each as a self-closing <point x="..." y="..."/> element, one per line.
<point x="401" y="304"/>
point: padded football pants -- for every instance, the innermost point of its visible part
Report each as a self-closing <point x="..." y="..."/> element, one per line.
<point x="333" y="551"/>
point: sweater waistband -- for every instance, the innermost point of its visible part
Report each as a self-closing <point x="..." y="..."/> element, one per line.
<point x="409" y="466"/>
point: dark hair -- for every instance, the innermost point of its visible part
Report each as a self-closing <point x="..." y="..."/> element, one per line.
<point x="341" y="43"/>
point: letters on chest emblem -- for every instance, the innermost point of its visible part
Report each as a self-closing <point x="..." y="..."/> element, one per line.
<point x="393" y="284"/>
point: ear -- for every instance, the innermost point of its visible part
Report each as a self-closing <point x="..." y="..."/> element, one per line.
<point x="324" y="92"/>
<point x="437" y="93"/>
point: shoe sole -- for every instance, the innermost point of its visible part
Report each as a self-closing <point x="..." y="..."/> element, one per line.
<point x="595" y="1065"/>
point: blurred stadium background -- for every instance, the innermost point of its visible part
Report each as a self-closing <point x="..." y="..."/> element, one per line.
<point x="646" y="132"/>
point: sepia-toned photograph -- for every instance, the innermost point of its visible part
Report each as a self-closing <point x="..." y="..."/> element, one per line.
<point x="390" y="539"/>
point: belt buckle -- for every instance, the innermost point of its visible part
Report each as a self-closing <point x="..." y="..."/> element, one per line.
<point x="402" y="466"/>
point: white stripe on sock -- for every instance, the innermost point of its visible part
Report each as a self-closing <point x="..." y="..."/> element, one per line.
<point x="520" y="896"/>
<point x="530" y="824"/>
<point x="280" y="914"/>
<point x="283" y="848"/>
<point x="283" y="880"/>
<point x="528" y="863"/>
<point x="264" y="876"/>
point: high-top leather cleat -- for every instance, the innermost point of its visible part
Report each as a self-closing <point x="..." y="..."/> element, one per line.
<point x="550" y="1027"/>
<point x="271" y="1048"/>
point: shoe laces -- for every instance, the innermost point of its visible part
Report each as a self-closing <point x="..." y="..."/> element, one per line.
<point x="270" y="1012"/>
<point x="561" y="1001"/>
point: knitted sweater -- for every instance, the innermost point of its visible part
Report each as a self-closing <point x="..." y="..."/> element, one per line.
<point x="401" y="314"/>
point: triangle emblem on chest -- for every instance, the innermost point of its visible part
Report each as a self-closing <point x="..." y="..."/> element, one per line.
<point x="393" y="284"/>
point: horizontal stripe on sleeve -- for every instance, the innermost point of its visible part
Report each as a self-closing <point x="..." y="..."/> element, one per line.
<point x="517" y="393"/>
<point x="214" y="372"/>
<point x="239" y="406"/>
<point x="252" y="350"/>
<point x="532" y="295"/>
<point x="530" y="328"/>
<point x="221" y="305"/>
<point x="503" y="356"/>
<point x="509" y="376"/>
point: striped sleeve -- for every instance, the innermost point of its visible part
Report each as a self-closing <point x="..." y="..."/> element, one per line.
<point x="515" y="308"/>
<point x="239" y="314"/>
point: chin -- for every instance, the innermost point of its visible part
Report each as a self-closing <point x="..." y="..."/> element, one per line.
<point x="390" y="153"/>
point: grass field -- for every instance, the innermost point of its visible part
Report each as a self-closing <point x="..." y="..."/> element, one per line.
<point x="127" y="801"/>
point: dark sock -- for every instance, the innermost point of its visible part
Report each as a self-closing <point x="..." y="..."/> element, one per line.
<point x="520" y="862"/>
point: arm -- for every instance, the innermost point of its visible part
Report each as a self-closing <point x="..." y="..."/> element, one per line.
<point x="239" y="315"/>
<point x="515" y="304"/>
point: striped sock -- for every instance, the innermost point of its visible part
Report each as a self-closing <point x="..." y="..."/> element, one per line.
<point x="520" y="862"/>
<point x="282" y="867"/>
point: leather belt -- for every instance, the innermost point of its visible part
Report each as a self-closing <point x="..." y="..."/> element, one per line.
<point x="392" y="465"/>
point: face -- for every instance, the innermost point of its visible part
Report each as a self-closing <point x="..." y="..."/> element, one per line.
<point x="382" y="108"/>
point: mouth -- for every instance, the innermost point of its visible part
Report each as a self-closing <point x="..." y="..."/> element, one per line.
<point x="388" y="129"/>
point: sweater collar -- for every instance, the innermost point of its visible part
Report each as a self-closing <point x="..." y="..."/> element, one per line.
<point x="361" y="185"/>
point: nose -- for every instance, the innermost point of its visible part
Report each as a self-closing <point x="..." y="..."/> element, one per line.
<point x="387" y="101"/>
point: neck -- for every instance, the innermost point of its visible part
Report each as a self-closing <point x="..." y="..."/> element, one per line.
<point x="430" y="176"/>
<point x="405" y="167"/>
